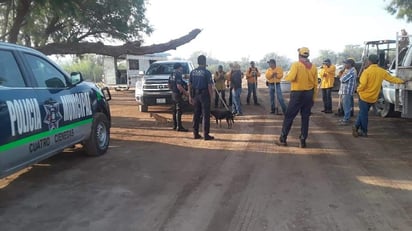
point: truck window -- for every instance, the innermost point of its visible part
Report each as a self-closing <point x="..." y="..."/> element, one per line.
<point x="160" y="69"/>
<point x="185" y="68"/>
<point x="401" y="56"/>
<point x="407" y="62"/>
<point x="10" y="75"/>
<point x="46" y="74"/>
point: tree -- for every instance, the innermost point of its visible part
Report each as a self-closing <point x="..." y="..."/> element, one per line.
<point x="211" y="62"/>
<point x="281" y="61"/>
<point x="325" y="54"/>
<point x="80" y="26"/>
<point x="350" y="51"/>
<point x="401" y="8"/>
<point x="132" y="48"/>
<point x="91" y="67"/>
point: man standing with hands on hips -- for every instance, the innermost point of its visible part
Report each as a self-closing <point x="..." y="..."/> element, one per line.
<point x="200" y="92"/>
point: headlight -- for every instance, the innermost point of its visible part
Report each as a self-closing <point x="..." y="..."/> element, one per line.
<point x="139" y="86"/>
<point x="139" y="83"/>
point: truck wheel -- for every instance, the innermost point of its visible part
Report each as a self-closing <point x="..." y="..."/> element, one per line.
<point x="143" y="108"/>
<point x="385" y="109"/>
<point x="98" y="142"/>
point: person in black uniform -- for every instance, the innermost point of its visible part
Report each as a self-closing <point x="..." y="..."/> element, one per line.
<point x="200" y="89"/>
<point x="176" y="84"/>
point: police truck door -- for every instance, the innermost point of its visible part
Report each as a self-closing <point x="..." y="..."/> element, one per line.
<point x="20" y="115"/>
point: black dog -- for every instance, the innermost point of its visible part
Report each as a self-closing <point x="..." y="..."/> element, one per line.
<point x="223" y="114"/>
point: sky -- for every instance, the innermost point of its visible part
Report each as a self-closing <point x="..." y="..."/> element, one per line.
<point x="236" y="29"/>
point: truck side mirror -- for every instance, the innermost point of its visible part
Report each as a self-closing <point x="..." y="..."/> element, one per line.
<point x="75" y="78"/>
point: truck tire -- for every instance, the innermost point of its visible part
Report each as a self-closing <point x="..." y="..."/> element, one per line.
<point x="98" y="142"/>
<point x="143" y="108"/>
<point x="386" y="109"/>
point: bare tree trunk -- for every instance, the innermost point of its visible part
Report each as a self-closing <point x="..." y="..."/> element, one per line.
<point x="23" y="9"/>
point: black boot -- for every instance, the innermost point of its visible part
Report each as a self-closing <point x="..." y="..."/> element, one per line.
<point x="174" y="121"/>
<point x="180" y="127"/>
<point x="196" y="135"/>
<point x="209" y="137"/>
<point x="302" y="143"/>
<point x="282" y="141"/>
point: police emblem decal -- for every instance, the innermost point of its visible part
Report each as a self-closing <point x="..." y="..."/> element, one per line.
<point x="53" y="115"/>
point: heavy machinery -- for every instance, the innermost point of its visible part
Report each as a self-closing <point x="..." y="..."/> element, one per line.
<point x="384" y="49"/>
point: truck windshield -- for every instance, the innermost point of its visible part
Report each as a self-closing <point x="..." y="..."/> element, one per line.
<point x="164" y="69"/>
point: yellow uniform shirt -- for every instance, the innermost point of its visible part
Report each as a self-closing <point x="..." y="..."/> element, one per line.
<point x="270" y="75"/>
<point x="302" y="78"/>
<point x="249" y="74"/>
<point x="370" y="82"/>
<point x="327" y="75"/>
<point x="220" y="78"/>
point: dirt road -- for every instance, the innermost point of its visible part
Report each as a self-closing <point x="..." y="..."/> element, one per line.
<point x="153" y="178"/>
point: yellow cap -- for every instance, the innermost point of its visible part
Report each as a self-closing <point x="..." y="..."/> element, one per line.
<point x="304" y="51"/>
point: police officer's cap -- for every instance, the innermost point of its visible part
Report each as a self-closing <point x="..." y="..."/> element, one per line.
<point x="177" y="65"/>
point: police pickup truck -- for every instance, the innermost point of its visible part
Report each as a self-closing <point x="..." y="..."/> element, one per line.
<point x="43" y="110"/>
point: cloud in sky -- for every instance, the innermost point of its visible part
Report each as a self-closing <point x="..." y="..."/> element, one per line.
<point x="232" y="30"/>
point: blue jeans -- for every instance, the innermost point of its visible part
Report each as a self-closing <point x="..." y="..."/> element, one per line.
<point x="327" y="99"/>
<point x="279" y="96"/>
<point x="347" y="104"/>
<point x="251" y="89"/>
<point x="236" y="108"/>
<point x="362" y="120"/>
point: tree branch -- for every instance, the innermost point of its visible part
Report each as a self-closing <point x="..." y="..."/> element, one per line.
<point x="132" y="48"/>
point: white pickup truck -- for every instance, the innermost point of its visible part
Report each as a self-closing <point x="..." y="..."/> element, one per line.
<point x="153" y="89"/>
<point x="396" y="99"/>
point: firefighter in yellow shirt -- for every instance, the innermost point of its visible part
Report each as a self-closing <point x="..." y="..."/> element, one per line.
<point x="220" y="79"/>
<point x="273" y="75"/>
<point x="327" y="75"/>
<point x="370" y="83"/>
<point x="252" y="74"/>
<point x="303" y="82"/>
